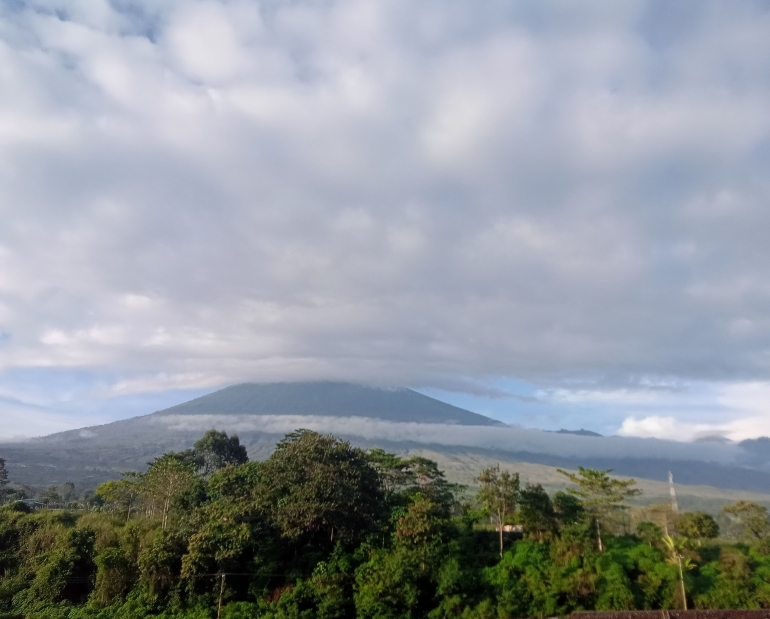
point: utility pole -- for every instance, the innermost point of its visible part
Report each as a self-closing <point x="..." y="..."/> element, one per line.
<point x="221" y="592"/>
<point x="674" y="506"/>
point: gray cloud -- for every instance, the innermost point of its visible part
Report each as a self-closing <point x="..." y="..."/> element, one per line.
<point x="197" y="193"/>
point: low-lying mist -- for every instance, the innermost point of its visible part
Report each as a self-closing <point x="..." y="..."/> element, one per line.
<point x="510" y="439"/>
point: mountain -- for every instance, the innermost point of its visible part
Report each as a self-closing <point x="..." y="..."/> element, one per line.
<point x="329" y="399"/>
<point x="399" y="420"/>
<point x="759" y="446"/>
<point x="580" y="432"/>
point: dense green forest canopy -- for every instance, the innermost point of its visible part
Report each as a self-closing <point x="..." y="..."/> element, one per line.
<point x="324" y="530"/>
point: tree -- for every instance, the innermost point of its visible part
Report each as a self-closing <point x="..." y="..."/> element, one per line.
<point x="661" y="514"/>
<point x="114" y="577"/>
<point x="649" y="532"/>
<point x="403" y="582"/>
<point x="166" y="479"/>
<point x="499" y="494"/>
<point x="122" y="494"/>
<point x="675" y="547"/>
<point x="216" y="450"/>
<point x="393" y="470"/>
<point x="3" y="481"/>
<point x="319" y="484"/>
<point x="427" y="479"/>
<point x="753" y="518"/>
<point x="536" y="512"/>
<point x="600" y="494"/>
<point x="228" y="530"/>
<point x="410" y="476"/>
<point x="420" y="527"/>
<point x="51" y="497"/>
<point x="697" y="525"/>
<point x="67" y="491"/>
<point x="567" y="508"/>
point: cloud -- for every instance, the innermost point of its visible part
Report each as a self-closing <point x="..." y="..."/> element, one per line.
<point x="200" y="193"/>
<point x="743" y="415"/>
<point x="505" y="439"/>
<point x="662" y="427"/>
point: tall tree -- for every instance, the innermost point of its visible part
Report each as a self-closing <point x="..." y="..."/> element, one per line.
<point x="675" y="551"/>
<point x="215" y="450"/>
<point x="499" y="494"/>
<point x="601" y="495"/>
<point x="166" y="479"/>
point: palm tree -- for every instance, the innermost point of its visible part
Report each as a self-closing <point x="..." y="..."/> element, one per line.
<point x="675" y="547"/>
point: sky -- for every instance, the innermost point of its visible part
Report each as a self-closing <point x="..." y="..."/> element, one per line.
<point x="554" y="213"/>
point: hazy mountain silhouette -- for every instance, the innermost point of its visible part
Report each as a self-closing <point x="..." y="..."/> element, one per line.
<point x="329" y="399"/>
<point x="397" y="419"/>
<point x="580" y="432"/>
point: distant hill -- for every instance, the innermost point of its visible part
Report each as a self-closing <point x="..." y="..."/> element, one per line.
<point x="580" y="432"/>
<point x="759" y="446"/>
<point x="329" y="399"/>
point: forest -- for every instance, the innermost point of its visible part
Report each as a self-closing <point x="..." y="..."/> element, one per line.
<point x="323" y="529"/>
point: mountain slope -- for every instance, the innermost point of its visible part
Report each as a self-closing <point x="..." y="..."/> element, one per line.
<point x="329" y="399"/>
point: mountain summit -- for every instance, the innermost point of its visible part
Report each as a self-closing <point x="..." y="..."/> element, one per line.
<point x="329" y="399"/>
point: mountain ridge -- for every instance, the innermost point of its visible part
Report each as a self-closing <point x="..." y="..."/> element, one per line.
<point x="397" y="419"/>
<point x="329" y="399"/>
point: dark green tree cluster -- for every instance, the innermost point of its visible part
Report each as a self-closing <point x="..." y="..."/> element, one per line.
<point x="322" y="529"/>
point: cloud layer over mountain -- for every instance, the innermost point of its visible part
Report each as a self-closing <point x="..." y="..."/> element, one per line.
<point x="511" y="440"/>
<point x="437" y="194"/>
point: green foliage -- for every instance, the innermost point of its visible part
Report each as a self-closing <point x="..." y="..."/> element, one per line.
<point x="115" y="576"/>
<point x="697" y="525"/>
<point x="230" y="529"/>
<point x="322" y="530"/>
<point x="568" y="509"/>
<point x="122" y="494"/>
<point x="167" y="479"/>
<point x="753" y="520"/>
<point x="649" y="532"/>
<point x="404" y="580"/>
<point x="216" y="450"/>
<point x="676" y="551"/>
<point x="536" y="513"/>
<point x="499" y="494"/>
<point x="602" y="496"/>
<point x="317" y="485"/>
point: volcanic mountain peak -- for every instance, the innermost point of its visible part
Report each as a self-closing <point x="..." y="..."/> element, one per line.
<point x="329" y="399"/>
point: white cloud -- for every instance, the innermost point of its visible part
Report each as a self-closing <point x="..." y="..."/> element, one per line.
<point x="387" y="191"/>
<point x="663" y="427"/>
<point x="745" y="413"/>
